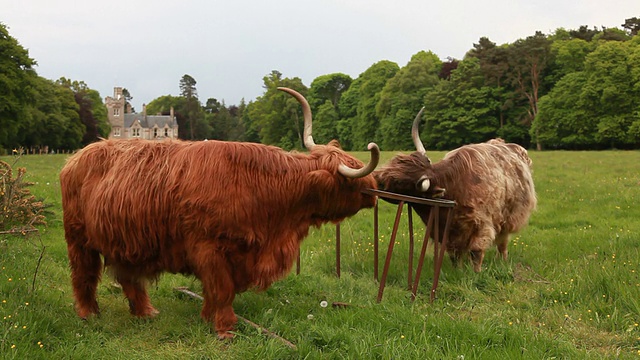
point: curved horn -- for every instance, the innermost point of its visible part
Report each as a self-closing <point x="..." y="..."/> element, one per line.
<point x="425" y="184"/>
<point x="306" y="111"/>
<point x="415" y="133"/>
<point x="346" y="171"/>
<point x="309" y="143"/>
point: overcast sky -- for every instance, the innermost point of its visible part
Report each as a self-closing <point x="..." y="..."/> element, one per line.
<point x="229" y="46"/>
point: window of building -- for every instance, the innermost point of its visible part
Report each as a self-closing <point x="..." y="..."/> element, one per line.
<point x="135" y="132"/>
<point x="116" y="131"/>
<point x="155" y="133"/>
<point x="116" y="112"/>
<point x="166" y="132"/>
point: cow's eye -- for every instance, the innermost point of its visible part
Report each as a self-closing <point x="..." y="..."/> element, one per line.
<point x="423" y="184"/>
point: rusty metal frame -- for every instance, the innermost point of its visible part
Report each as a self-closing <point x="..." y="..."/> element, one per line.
<point x="432" y="231"/>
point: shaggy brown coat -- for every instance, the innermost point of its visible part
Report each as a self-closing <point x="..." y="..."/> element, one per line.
<point x="232" y="214"/>
<point x="490" y="182"/>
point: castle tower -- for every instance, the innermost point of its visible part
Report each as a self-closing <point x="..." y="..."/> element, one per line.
<point x="115" y="113"/>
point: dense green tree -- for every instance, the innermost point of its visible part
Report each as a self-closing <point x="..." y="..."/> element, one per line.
<point x="528" y="59"/>
<point x="562" y="120"/>
<point x="99" y="112"/>
<point x="461" y="110"/>
<point x="217" y="122"/>
<point x="127" y="98"/>
<point x="224" y="122"/>
<point x="632" y="26"/>
<point x="212" y="106"/>
<point x="192" y="108"/>
<point x="325" y="123"/>
<point x="403" y="96"/>
<point x="610" y="92"/>
<point x="74" y="129"/>
<point x="568" y="56"/>
<point x="584" y="33"/>
<point x="52" y="120"/>
<point x="328" y="87"/>
<point x="236" y="129"/>
<point x="163" y="104"/>
<point x="251" y="127"/>
<point x="16" y="86"/>
<point x="44" y="123"/>
<point x="494" y="64"/>
<point x="612" y="34"/>
<point x="277" y="116"/>
<point x="92" y="111"/>
<point x="494" y="61"/>
<point x="324" y="96"/>
<point x="571" y="89"/>
<point x="359" y="122"/>
<point x="597" y="107"/>
<point x="447" y="67"/>
<point x="634" y="60"/>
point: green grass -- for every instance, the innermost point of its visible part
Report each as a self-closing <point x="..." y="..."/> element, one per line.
<point x="570" y="289"/>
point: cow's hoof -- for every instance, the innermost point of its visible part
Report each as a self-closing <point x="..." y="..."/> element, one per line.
<point x="225" y="335"/>
<point x="85" y="313"/>
<point x="145" y="312"/>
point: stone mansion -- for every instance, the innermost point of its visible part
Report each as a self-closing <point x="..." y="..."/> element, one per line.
<point x="126" y="124"/>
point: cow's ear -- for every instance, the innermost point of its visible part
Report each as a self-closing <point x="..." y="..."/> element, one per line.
<point x="335" y="143"/>
<point x="321" y="179"/>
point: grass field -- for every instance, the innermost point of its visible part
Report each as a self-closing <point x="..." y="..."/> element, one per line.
<point x="570" y="289"/>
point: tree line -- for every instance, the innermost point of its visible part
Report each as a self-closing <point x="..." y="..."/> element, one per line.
<point x="37" y="113"/>
<point x="571" y="89"/>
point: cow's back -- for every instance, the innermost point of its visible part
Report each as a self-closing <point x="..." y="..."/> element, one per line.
<point x="494" y="184"/>
<point x="137" y="200"/>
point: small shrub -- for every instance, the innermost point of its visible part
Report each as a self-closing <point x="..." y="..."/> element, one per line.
<point x="18" y="207"/>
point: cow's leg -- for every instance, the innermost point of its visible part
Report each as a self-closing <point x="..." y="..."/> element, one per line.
<point x="218" y="287"/>
<point x="218" y="302"/>
<point x="456" y="257"/>
<point x="502" y="240"/>
<point x="136" y="292"/>
<point x="479" y="243"/>
<point x="86" y="270"/>
<point x="476" y="257"/>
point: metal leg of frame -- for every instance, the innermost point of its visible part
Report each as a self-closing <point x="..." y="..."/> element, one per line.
<point x="440" y="256"/>
<point x="427" y="233"/>
<point x="375" y="242"/>
<point x="411" y="243"/>
<point x="338" y="250"/>
<point x="392" y="241"/>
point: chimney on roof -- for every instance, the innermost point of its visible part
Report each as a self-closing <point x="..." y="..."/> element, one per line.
<point x="144" y="109"/>
<point x="171" y="113"/>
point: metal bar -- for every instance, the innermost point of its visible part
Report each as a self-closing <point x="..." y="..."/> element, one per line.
<point x="436" y="239"/>
<point x="407" y="198"/>
<point x="392" y="241"/>
<point x="427" y="233"/>
<point x="338" y="250"/>
<point x="375" y="241"/>
<point x="440" y="256"/>
<point x="409" y="281"/>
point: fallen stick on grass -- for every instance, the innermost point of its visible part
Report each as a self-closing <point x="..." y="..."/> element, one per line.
<point x="184" y="290"/>
<point x="17" y="231"/>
